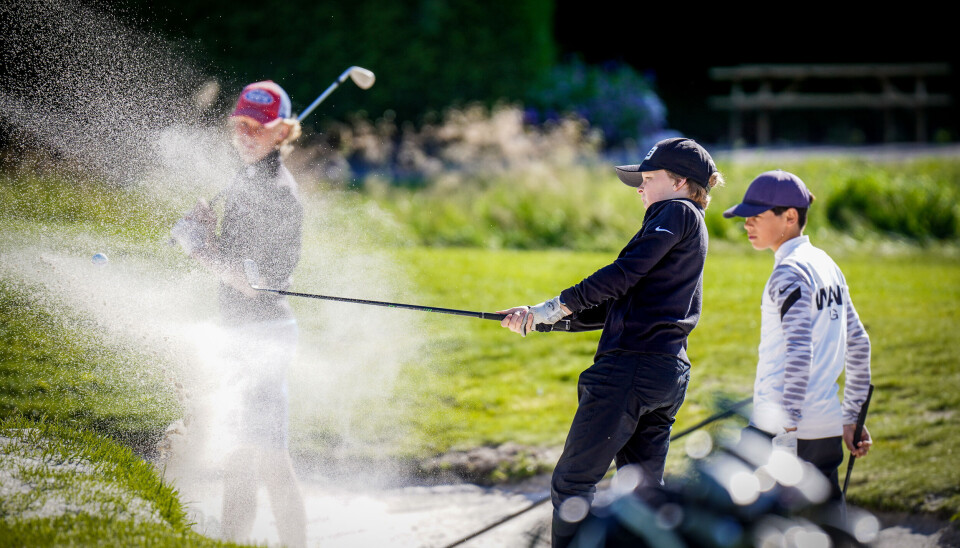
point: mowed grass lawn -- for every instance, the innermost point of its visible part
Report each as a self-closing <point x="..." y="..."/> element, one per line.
<point x="478" y="384"/>
<point x="486" y="385"/>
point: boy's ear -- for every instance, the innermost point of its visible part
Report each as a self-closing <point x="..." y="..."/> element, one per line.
<point x="792" y="216"/>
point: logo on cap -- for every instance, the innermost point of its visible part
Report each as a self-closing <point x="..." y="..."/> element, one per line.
<point x="259" y="96"/>
<point x="650" y="154"/>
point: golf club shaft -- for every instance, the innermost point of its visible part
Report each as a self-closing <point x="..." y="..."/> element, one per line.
<point x="562" y="325"/>
<point x="320" y="99"/>
<point x="481" y="315"/>
<point x="713" y="418"/>
<point x="360" y="76"/>
<point x="861" y="419"/>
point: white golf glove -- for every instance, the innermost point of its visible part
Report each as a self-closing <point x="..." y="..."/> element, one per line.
<point x="547" y="312"/>
<point x="786" y="441"/>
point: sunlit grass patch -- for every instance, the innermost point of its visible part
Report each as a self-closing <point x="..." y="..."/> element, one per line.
<point x="585" y="207"/>
<point x="60" y="365"/>
<point x="62" y="486"/>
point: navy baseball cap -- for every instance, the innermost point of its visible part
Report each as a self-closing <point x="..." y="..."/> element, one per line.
<point x="772" y="189"/>
<point x="680" y="155"/>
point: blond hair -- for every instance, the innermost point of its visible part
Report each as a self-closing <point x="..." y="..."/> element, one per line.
<point x="698" y="193"/>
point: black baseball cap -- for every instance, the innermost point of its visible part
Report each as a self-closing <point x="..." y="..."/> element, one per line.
<point x="680" y="155"/>
<point x="772" y="189"/>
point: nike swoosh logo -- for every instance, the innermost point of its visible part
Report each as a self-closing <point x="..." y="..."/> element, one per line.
<point x="658" y="229"/>
<point x="784" y="290"/>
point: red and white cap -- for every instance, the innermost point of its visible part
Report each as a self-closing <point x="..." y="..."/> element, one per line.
<point x="265" y="102"/>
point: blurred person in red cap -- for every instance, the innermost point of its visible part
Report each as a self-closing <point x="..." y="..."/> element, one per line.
<point x="262" y="220"/>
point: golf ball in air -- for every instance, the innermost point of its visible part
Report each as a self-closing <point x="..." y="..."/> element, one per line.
<point x="99" y="258"/>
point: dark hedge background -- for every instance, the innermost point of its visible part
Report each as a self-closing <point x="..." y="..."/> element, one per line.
<point x="430" y="54"/>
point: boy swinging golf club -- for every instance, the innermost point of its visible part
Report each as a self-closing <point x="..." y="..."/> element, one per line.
<point x="262" y="219"/>
<point x="262" y="222"/>
<point x="646" y="302"/>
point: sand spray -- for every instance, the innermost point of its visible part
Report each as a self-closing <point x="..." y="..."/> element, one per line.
<point x="124" y="107"/>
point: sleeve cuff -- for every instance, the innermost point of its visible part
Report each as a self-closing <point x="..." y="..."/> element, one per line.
<point x="568" y="299"/>
<point x="791" y="418"/>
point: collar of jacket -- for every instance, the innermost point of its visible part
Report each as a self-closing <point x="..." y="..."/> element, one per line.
<point x="789" y="246"/>
<point x="659" y="205"/>
<point x="266" y="167"/>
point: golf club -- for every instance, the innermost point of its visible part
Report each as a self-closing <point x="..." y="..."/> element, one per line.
<point x="713" y="418"/>
<point x="861" y="419"/>
<point x="252" y="273"/>
<point x="362" y="77"/>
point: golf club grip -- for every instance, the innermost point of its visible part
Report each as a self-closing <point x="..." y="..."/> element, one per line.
<point x="857" y="433"/>
<point x="862" y="417"/>
<point x="216" y="198"/>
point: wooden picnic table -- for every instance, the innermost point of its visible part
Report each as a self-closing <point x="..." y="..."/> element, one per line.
<point x="780" y="88"/>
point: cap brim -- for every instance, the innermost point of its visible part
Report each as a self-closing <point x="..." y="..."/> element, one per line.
<point x="746" y="210"/>
<point x="630" y="175"/>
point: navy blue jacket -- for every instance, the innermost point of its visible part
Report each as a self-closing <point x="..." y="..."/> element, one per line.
<point x="648" y="300"/>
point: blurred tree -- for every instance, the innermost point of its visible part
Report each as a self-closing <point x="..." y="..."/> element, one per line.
<point x="427" y="54"/>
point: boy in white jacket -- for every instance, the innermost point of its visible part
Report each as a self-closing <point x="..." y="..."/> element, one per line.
<point x="809" y="333"/>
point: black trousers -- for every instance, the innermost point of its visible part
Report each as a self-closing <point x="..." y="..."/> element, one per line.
<point x="627" y="405"/>
<point x="824" y="453"/>
<point x="827" y="455"/>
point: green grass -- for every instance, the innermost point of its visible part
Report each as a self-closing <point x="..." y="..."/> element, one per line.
<point x="472" y="383"/>
<point x="489" y="386"/>
<point x="68" y="487"/>
<point x="62" y="366"/>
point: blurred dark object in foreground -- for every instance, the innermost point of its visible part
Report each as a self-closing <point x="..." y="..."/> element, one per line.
<point x="742" y="494"/>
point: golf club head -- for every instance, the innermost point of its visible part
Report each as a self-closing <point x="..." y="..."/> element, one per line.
<point x="362" y="77"/>
<point x="252" y="272"/>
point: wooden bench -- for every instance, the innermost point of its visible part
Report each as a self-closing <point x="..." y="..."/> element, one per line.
<point x="779" y="88"/>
